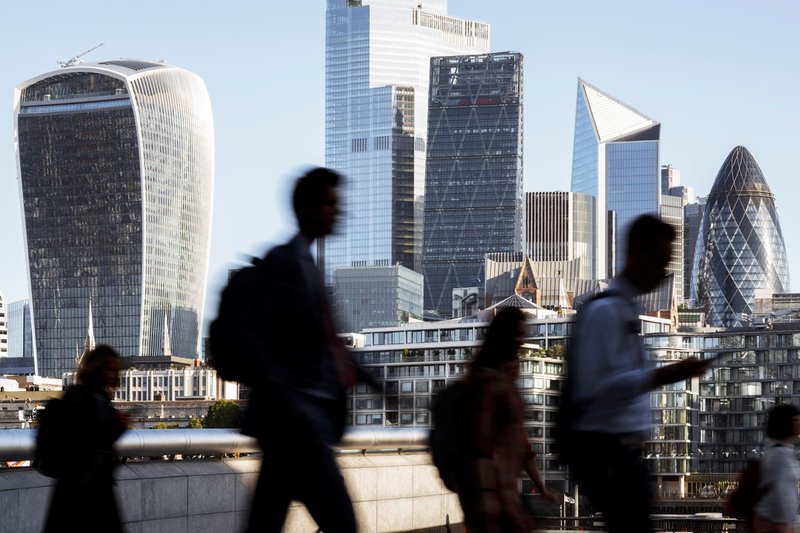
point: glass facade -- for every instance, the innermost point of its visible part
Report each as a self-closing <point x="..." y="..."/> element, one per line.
<point x="473" y="185"/>
<point x="740" y="248"/>
<point x="372" y="297"/>
<point x="615" y="159"/>
<point x="20" y="329"/>
<point x="116" y="173"/>
<point x="377" y="67"/>
<point x="692" y="217"/>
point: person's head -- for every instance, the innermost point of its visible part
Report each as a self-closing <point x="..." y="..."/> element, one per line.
<point x="649" y="249"/>
<point x="503" y="340"/>
<point x="783" y="421"/>
<point x="315" y="202"/>
<point x="99" y="368"/>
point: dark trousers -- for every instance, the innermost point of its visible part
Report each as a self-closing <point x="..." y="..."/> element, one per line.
<point x="611" y="472"/>
<point x="299" y="464"/>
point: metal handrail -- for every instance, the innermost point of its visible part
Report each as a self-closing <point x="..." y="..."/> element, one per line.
<point x="20" y="444"/>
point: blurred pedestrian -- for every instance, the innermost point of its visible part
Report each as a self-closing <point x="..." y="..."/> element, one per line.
<point x="776" y="509"/>
<point x="83" y="498"/>
<point x="498" y="448"/>
<point x="297" y="407"/>
<point x="611" y="379"/>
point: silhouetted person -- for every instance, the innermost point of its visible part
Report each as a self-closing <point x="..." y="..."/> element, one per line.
<point x="612" y="382"/>
<point x="297" y="407"/>
<point x="776" y="509"/>
<point x="83" y="498"/>
<point x="498" y="448"/>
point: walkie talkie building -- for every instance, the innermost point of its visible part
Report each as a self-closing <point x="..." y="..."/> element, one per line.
<point x="116" y="168"/>
<point x="740" y="247"/>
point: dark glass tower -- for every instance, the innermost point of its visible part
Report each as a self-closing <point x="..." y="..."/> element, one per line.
<point x="116" y="167"/>
<point x="473" y="185"/>
<point x="740" y="248"/>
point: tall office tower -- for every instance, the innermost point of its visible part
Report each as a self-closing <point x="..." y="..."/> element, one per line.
<point x="20" y="336"/>
<point x="559" y="226"/>
<point x="670" y="209"/>
<point x="670" y="177"/>
<point x="740" y="250"/>
<point x="615" y="159"/>
<point x="3" y="327"/>
<point x="473" y="181"/>
<point x="692" y="217"/>
<point x="116" y="169"/>
<point x="377" y="67"/>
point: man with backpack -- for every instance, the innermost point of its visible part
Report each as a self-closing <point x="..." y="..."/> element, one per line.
<point x="609" y="384"/>
<point x="302" y="369"/>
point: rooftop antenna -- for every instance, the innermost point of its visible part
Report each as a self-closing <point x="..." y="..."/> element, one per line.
<point x="77" y="59"/>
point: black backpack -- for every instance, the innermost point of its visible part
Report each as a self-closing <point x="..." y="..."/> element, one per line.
<point x="53" y="439"/>
<point x="447" y="437"/>
<point x="232" y="334"/>
<point x="565" y="440"/>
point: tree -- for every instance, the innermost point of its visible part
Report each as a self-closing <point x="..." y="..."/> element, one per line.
<point x="223" y="414"/>
<point x="194" y="423"/>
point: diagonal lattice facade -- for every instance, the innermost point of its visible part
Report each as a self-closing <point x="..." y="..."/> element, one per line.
<point x="473" y="186"/>
<point x="740" y="247"/>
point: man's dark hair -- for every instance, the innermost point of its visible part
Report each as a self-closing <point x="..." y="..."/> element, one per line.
<point x="780" y="421"/>
<point x="647" y="232"/>
<point x="309" y="191"/>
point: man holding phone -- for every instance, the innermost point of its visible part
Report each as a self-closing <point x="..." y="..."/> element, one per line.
<point x="612" y="379"/>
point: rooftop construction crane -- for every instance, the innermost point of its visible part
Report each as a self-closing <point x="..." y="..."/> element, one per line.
<point x="77" y="59"/>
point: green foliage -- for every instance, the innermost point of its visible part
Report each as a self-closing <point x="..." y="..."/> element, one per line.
<point x="223" y="414"/>
<point x="194" y="423"/>
<point x="556" y="351"/>
<point x="163" y="425"/>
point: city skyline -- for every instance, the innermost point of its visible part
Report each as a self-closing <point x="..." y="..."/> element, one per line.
<point x="688" y="66"/>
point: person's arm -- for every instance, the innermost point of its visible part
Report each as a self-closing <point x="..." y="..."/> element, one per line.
<point x="532" y="469"/>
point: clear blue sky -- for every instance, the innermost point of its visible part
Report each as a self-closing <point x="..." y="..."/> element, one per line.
<point x="715" y="74"/>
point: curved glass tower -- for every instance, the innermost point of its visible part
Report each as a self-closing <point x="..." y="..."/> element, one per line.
<point x="116" y="168"/>
<point x="740" y="246"/>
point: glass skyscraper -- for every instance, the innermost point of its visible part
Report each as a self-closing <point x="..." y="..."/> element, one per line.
<point x="20" y="336"/>
<point x="116" y="163"/>
<point x="377" y="66"/>
<point x="740" y="248"/>
<point x="473" y="184"/>
<point x="615" y="159"/>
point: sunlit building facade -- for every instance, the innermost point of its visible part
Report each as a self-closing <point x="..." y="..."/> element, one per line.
<point x="615" y="159"/>
<point x="740" y="249"/>
<point x="377" y="69"/>
<point x="116" y="168"/>
<point x="3" y="327"/>
<point x="559" y="226"/>
<point x="473" y="180"/>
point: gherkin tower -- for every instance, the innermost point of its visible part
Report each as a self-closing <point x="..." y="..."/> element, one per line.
<point x="740" y="248"/>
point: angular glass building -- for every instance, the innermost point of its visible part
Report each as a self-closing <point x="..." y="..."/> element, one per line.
<point x="615" y="159"/>
<point x="473" y="181"/>
<point x="740" y="247"/>
<point x="377" y="66"/>
<point x="116" y="163"/>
